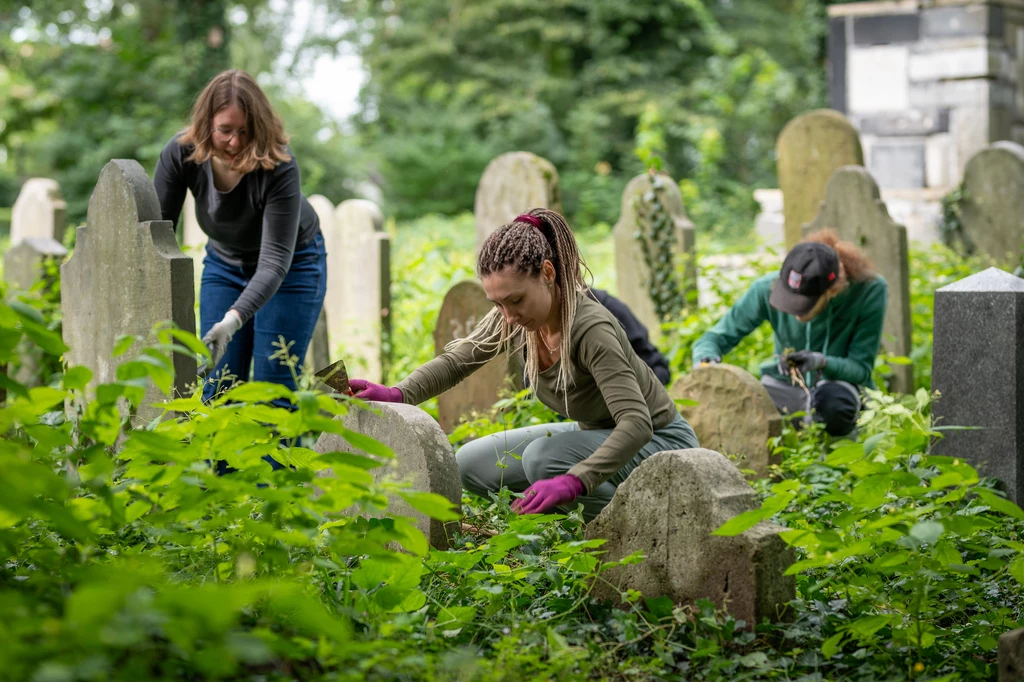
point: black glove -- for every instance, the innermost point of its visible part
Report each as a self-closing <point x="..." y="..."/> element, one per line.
<point x="709" y="360"/>
<point x="804" y="360"/>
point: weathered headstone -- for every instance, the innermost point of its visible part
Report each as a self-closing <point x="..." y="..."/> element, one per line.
<point x="423" y="457"/>
<point x="193" y="238"/>
<point x="978" y="369"/>
<point x="514" y="183"/>
<point x="734" y="414"/>
<point x="320" y="351"/>
<point x="854" y="209"/>
<point x="463" y="307"/>
<point x="358" y="300"/>
<point x="25" y="264"/>
<point x="631" y="269"/>
<point x="125" y="275"/>
<point x="667" y="509"/>
<point x="1011" y="656"/>
<point x="992" y="213"/>
<point x="810" y="148"/>
<point x="39" y="211"/>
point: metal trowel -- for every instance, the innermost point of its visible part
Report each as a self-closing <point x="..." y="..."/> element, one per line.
<point x="335" y="376"/>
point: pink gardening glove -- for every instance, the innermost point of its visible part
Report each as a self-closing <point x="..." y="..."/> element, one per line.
<point x="366" y="390"/>
<point x="548" y="494"/>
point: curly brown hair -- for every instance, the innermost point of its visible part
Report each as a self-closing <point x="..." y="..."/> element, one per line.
<point x="268" y="141"/>
<point x="856" y="266"/>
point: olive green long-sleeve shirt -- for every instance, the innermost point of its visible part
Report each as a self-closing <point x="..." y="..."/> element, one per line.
<point x="610" y="387"/>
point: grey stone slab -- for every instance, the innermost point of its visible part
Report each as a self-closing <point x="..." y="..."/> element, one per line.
<point x="836" y="48"/>
<point x="854" y="209"/>
<point x="126" y="275"/>
<point x="978" y="370"/>
<point x="898" y="165"/>
<point x="993" y="211"/>
<point x="667" y="509"/>
<point x="39" y="211"/>
<point x="886" y="29"/>
<point x="1011" y="656"/>
<point x="970" y="20"/>
<point x="423" y="458"/>
<point x="514" y="183"/>
<point x="631" y="270"/>
<point x="916" y="123"/>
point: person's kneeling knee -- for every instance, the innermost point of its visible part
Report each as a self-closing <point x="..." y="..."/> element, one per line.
<point x="837" y="406"/>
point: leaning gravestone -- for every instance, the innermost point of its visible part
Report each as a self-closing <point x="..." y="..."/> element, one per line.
<point x="1011" y="656"/>
<point x="854" y="208"/>
<point x="734" y="414"/>
<point x="667" y="509"/>
<point x="423" y="457"/>
<point x="126" y="274"/>
<point x="992" y="212"/>
<point x="39" y="211"/>
<point x="25" y="264"/>
<point x="810" y="148"/>
<point x="514" y="183"/>
<point x="978" y="369"/>
<point x="358" y="301"/>
<point x="463" y="307"/>
<point x="631" y="269"/>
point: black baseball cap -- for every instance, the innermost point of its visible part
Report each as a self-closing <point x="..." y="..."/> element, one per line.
<point x="809" y="270"/>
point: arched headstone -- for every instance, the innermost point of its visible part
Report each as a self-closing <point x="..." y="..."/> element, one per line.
<point x="25" y="264"/>
<point x="631" y="270"/>
<point x="853" y="207"/>
<point x="39" y="211"/>
<point x="992" y="213"/>
<point x="514" y="183"/>
<point x="126" y="274"/>
<point x="734" y="413"/>
<point x="810" y="148"/>
<point x="423" y="458"/>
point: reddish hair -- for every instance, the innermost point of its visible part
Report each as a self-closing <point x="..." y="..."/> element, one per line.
<point x="855" y="264"/>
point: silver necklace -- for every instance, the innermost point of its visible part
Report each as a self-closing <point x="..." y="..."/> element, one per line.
<point x="546" y="343"/>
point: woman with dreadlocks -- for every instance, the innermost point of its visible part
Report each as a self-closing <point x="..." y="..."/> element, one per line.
<point x="579" y="362"/>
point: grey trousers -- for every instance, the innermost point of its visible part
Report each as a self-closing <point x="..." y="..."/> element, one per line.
<point x="515" y="459"/>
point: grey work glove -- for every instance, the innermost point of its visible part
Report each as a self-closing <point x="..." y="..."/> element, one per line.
<point x="709" y="360"/>
<point x="220" y="334"/>
<point x="804" y="360"/>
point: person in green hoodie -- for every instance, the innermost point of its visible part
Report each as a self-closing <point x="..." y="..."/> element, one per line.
<point x="826" y="308"/>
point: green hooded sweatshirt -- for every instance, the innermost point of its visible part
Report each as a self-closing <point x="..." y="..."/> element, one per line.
<point x="848" y="331"/>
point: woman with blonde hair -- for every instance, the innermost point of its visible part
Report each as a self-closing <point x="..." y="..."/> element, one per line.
<point x="580" y="364"/>
<point x="827" y="305"/>
<point x="265" y="270"/>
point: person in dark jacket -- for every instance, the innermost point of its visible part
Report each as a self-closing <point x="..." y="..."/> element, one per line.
<point x="637" y="334"/>
<point x="826" y="308"/>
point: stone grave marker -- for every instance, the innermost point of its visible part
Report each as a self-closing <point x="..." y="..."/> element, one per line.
<point x="992" y="213"/>
<point x="853" y="207"/>
<point x="358" y="300"/>
<point x="463" y="307"/>
<point x="734" y="414"/>
<point x="1011" y="656"/>
<point x="809" y="149"/>
<point x="978" y="369"/>
<point x="193" y="238"/>
<point x="24" y="266"/>
<point x="320" y="352"/>
<point x="514" y="183"/>
<point x="631" y="270"/>
<point x="668" y="508"/>
<point x="126" y="274"/>
<point x="423" y="457"/>
<point x="39" y="211"/>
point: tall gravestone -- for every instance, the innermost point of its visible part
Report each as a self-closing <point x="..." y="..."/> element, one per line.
<point x="514" y="183"/>
<point x="734" y="414"/>
<point x="667" y="509"/>
<point x="320" y="352"/>
<point x="463" y="307"/>
<point x="25" y="264"/>
<point x="423" y="458"/>
<point x="631" y="270"/>
<point x="39" y="211"/>
<point x="810" y="148"/>
<point x="125" y="275"/>
<point x="992" y="213"/>
<point x="854" y="208"/>
<point x="358" y="301"/>
<point x="978" y="370"/>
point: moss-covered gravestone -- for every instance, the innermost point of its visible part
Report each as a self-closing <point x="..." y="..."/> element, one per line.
<point x="992" y="212"/>
<point x="810" y="148"/>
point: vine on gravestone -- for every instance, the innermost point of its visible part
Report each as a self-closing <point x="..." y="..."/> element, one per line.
<point x="656" y="236"/>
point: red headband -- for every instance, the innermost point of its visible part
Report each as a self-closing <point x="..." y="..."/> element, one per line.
<point x="531" y="219"/>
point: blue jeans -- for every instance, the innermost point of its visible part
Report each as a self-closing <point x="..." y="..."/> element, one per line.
<point x="292" y="313"/>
